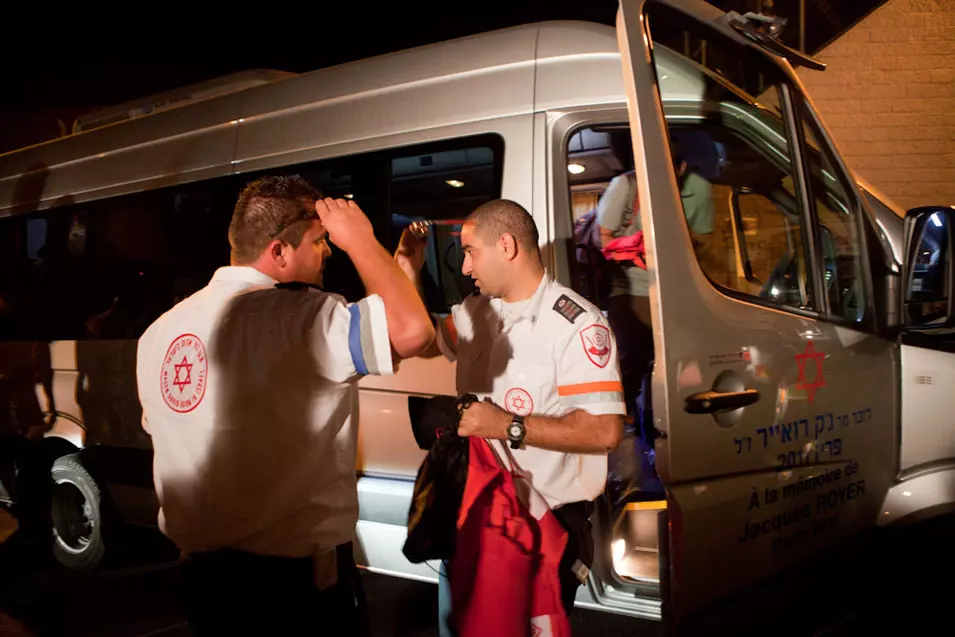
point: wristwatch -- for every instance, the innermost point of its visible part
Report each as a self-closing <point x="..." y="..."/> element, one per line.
<point x="516" y="431"/>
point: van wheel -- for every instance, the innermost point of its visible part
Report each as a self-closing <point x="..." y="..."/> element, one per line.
<point x="77" y="508"/>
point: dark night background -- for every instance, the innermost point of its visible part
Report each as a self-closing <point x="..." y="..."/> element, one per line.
<point x="61" y="61"/>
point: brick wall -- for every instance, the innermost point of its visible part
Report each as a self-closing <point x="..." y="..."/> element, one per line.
<point x="888" y="97"/>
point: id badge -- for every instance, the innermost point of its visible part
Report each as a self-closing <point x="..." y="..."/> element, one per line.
<point x="325" y="566"/>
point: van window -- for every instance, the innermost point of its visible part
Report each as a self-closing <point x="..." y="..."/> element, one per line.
<point x="441" y="181"/>
<point x="444" y="183"/>
<point x="839" y="220"/>
<point x="733" y="159"/>
<point x="107" y="269"/>
<point x="742" y="215"/>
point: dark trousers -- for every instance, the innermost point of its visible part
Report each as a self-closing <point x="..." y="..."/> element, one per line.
<point x="25" y="473"/>
<point x="629" y="317"/>
<point x="230" y="592"/>
<point x="575" y="518"/>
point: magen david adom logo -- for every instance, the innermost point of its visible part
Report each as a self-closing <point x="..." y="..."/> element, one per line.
<point x="184" y="373"/>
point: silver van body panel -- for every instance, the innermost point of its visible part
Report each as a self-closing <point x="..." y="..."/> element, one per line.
<point x="928" y="413"/>
<point x="927" y="493"/>
<point x="190" y="143"/>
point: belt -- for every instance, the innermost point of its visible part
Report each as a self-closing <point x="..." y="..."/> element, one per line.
<point x="574" y="515"/>
<point x="238" y="556"/>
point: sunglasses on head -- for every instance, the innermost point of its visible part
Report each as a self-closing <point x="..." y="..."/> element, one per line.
<point x="306" y="215"/>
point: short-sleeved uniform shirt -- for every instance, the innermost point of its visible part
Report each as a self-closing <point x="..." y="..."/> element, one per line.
<point x="547" y="356"/>
<point x="249" y="393"/>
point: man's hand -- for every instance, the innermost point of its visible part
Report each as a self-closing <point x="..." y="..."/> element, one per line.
<point x="484" y="420"/>
<point x="410" y="253"/>
<point x="347" y="226"/>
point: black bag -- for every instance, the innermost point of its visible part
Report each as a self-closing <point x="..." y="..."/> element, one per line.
<point x="439" y="486"/>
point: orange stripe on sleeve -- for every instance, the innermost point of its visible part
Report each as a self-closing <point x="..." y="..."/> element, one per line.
<point x="590" y="388"/>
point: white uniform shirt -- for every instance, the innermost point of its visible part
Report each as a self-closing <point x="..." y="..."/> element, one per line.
<point x="250" y="395"/>
<point x="549" y="357"/>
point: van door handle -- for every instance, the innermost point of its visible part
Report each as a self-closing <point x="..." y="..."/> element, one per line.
<point x="707" y="402"/>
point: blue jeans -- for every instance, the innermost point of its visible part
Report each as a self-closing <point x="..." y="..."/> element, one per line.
<point x="444" y="602"/>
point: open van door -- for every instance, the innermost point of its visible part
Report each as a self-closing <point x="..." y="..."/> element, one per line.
<point x="774" y="401"/>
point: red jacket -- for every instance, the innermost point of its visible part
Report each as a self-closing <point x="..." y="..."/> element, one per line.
<point x="504" y="578"/>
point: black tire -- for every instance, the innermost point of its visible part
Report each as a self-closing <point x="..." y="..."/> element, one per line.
<point x="77" y="508"/>
<point x="27" y="465"/>
<point x="55" y="447"/>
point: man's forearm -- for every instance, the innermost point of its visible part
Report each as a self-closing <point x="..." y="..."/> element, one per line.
<point x="414" y="275"/>
<point x="577" y="431"/>
<point x="433" y="350"/>
<point x="409" y="325"/>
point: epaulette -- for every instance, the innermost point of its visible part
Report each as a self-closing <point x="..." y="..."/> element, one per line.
<point x="568" y="308"/>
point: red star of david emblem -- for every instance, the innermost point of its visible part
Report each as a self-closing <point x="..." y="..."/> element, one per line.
<point x="819" y="381"/>
<point x="536" y="631"/>
<point x="517" y="402"/>
<point x="183" y="382"/>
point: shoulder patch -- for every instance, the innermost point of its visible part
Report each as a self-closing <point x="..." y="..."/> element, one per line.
<point x="297" y="286"/>
<point x="568" y="308"/>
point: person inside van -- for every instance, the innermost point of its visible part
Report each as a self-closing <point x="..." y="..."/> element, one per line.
<point x="628" y="305"/>
<point x="618" y="216"/>
<point x="696" y="192"/>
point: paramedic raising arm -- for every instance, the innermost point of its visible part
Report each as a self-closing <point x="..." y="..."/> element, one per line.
<point x="410" y="258"/>
<point x="409" y="326"/>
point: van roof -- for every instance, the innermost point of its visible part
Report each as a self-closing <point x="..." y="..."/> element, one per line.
<point x="124" y="147"/>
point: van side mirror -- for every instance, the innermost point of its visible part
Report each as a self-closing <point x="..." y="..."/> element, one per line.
<point x="927" y="271"/>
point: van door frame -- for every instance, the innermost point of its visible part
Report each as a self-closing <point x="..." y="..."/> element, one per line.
<point x="603" y="592"/>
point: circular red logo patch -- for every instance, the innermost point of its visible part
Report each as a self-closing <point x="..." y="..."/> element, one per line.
<point x="182" y="379"/>
<point x="596" y="342"/>
<point x="517" y="401"/>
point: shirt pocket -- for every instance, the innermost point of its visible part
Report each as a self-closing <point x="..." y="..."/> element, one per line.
<point x="528" y="386"/>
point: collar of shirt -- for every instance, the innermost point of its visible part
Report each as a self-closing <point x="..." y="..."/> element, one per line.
<point x="242" y="274"/>
<point x="533" y="307"/>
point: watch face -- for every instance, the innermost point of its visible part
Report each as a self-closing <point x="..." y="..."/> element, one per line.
<point x="514" y="431"/>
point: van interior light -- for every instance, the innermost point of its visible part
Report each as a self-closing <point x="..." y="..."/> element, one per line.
<point x="937" y="220"/>
<point x="635" y="548"/>
<point x="575" y="169"/>
<point x="349" y="196"/>
<point x="454" y="183"/>
<point x="617" y="550"/>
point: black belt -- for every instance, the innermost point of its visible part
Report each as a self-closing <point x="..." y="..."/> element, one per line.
<point x="238" y="557"/>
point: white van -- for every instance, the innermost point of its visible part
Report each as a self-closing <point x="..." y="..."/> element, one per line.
<point x="801" y="370"/>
